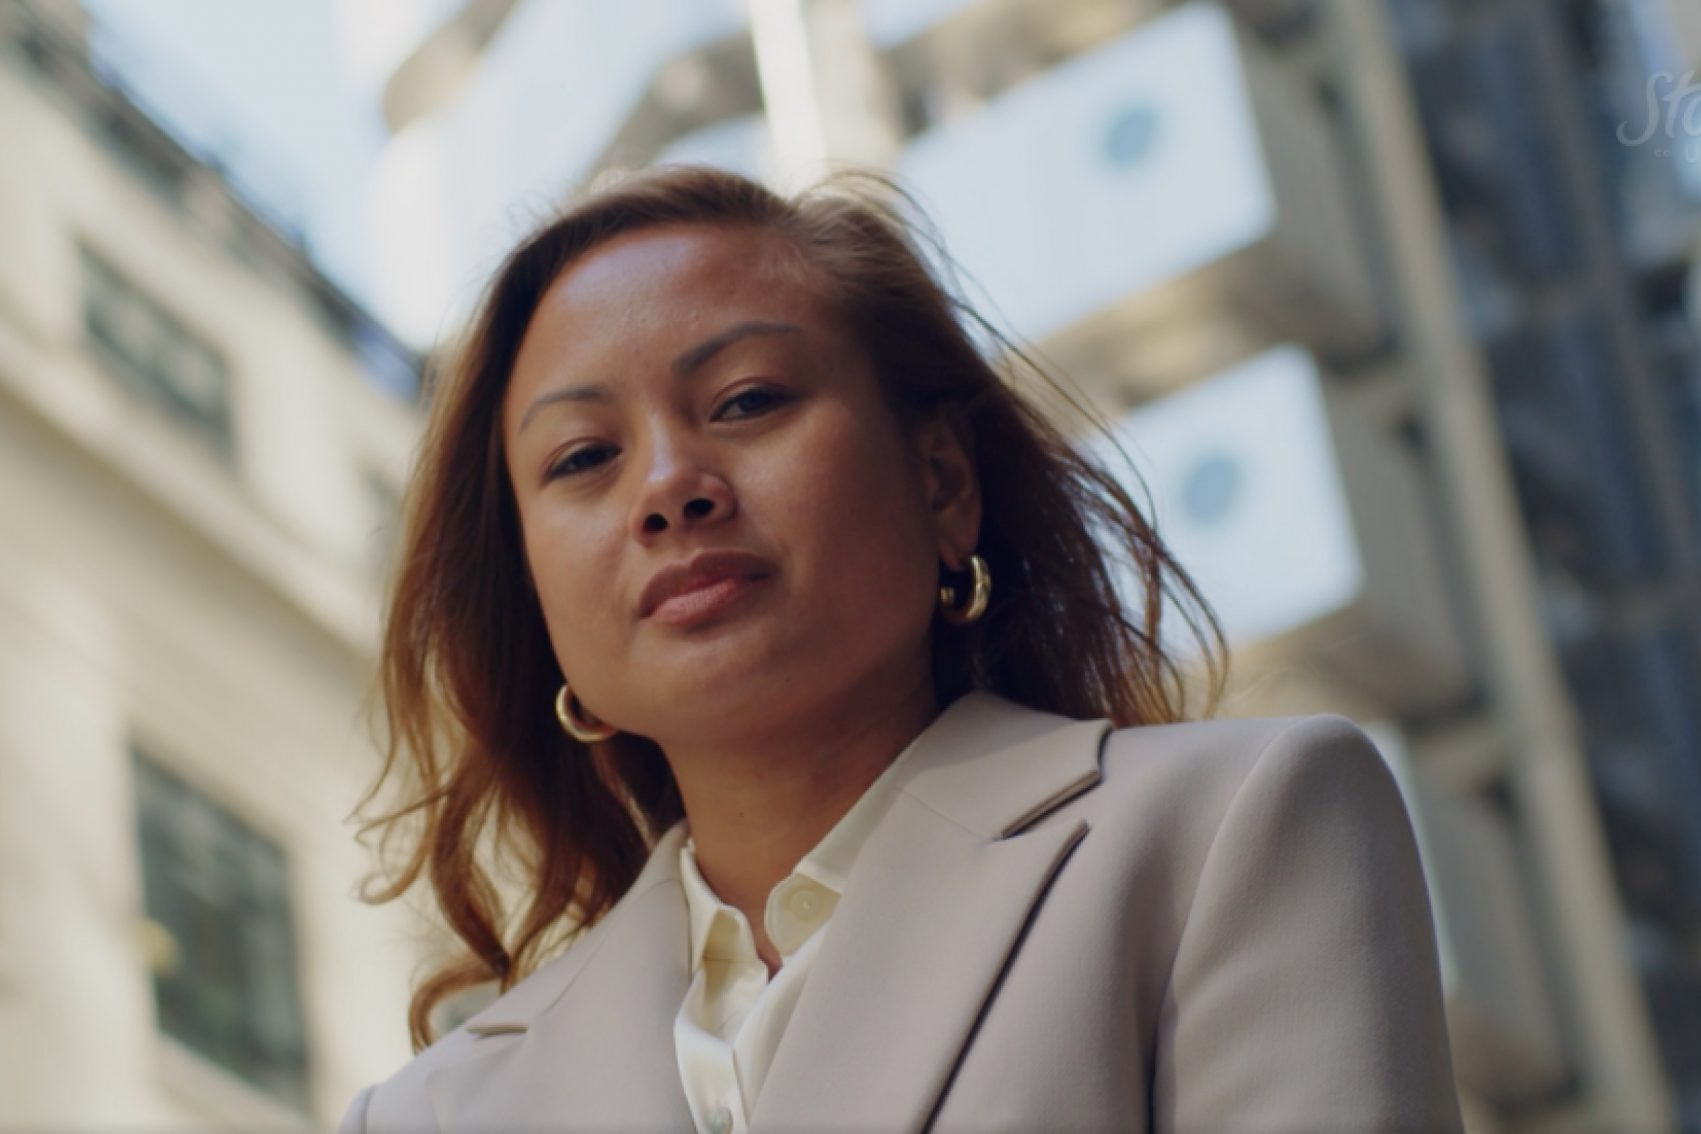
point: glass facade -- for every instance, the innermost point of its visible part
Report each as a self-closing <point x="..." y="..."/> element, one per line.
<point x="1570" y="229"/>
<point x="226" y="984"/>
<point x="156" y="358"/>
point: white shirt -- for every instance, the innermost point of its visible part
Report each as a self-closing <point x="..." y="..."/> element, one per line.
<point x="730" y="1024"/>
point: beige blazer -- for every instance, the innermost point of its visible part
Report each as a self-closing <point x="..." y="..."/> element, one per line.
<point x="1212" y="926"/>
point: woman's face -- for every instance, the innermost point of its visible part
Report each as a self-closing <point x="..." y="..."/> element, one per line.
<point x="675" y="395"/>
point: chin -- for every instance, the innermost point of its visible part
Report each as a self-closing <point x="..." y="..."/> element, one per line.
<point x="715" y="689"/>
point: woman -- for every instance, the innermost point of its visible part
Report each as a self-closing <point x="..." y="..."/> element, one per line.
<point x="772" y="640"/>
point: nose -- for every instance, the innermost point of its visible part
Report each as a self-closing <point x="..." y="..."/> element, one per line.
<point x="680" y="490"/>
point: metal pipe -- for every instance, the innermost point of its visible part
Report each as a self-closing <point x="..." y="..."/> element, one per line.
<point x="823" y="88"/>
<point x="1620" y="1069"/>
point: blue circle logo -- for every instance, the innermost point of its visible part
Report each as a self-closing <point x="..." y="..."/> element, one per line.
<point x="1133" y="134"/>
<point x="1212" y="488"/>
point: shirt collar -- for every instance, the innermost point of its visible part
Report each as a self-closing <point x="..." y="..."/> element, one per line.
<point x="828" y="863"/>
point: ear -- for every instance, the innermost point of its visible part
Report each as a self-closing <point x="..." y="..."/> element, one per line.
<point x="952" y="487"/>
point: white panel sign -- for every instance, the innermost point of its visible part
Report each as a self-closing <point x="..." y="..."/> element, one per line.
<point x="1246" y="493"/>
<point x="1104" y="176"/>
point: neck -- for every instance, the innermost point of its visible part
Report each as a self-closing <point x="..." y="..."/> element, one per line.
<point x="757" y="805"/>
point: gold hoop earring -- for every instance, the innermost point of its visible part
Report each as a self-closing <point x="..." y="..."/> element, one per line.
<point x="573" y="726"/>
<point x="980" y="592"/>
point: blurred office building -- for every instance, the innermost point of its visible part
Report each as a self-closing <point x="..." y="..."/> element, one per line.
<point x="1394" y="304"/>
<point x="201" y="443"/>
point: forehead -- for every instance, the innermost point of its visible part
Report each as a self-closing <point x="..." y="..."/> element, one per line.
<point x="678" y="276"/>
<point x="632" y="304"/>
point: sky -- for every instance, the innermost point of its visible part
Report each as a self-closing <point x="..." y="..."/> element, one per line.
<point x="283" y="94"/>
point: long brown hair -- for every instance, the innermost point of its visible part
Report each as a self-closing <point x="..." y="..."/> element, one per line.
<point x="467" y="676"/>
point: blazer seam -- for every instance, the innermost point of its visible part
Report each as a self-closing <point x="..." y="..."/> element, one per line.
<point x="1210" y="851"/>
<point x="955" y="822"/>
<point x="1039" y="809"/>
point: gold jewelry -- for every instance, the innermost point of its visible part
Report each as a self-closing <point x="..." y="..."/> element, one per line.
<point x="576" y="728"/>
<point x="976" y="605"/>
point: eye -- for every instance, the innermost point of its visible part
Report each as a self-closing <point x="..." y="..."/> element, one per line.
<point x="749" y="403"/>
<point x="579" y="460"/>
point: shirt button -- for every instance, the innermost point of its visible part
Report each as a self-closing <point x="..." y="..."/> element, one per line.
<point x="720" y="1120"/>
<point x="804" y="905"/>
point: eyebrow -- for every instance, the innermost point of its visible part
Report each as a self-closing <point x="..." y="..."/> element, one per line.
<point x="689" y="360"/>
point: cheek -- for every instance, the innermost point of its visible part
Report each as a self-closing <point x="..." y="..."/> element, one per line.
<point x="862" y="507"/>
<point x="574" y="588"/>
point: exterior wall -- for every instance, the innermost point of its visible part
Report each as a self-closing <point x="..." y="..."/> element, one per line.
<point x="221" y="614"/>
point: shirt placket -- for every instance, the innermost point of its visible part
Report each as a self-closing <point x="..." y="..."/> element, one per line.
<point x="707" y="1061"/>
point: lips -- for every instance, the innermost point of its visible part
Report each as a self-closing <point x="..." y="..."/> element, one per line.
<point x="703" y="570"/>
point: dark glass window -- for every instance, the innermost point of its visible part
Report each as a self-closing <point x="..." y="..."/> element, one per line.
<point x="388" y="364"/>
<point x="154" y="356"/>
<point x="228" y="987"/>
<point x="385" y="502"/>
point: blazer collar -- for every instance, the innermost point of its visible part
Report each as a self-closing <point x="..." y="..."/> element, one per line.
<point x="994" y="766"/>
<point x="587" y="1040"/>
<point x="933" y="912"/>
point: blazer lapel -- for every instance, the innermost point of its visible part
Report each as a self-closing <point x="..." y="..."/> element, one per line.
<point x="934" y="908"/>
<point x="586" y="1043"/>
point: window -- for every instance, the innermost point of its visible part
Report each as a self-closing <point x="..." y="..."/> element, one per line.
<point x="154" y="355"/>
<point x="390" y="366"/>
<point x="219" y="891"/>
<point x="385" y="506"/>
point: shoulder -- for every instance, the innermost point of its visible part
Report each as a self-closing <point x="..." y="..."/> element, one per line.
<point x="402" y="1101"/>
<point x="1176" y="798"/>
<point x="1278" y="883"/>
<point x="1208" y="764"/>
<point x="1218" y="759"/>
